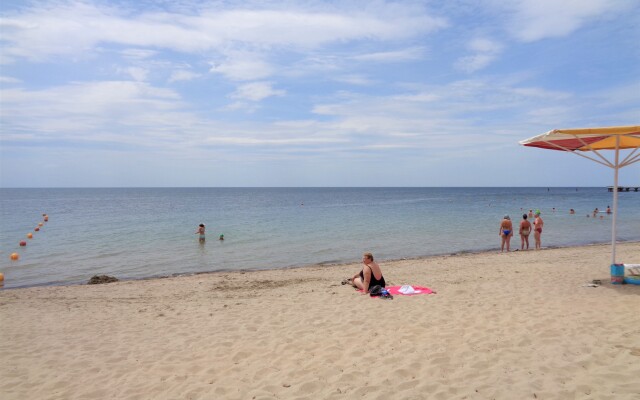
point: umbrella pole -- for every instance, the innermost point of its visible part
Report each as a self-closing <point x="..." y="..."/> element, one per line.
<point x="617" y="272"/>
<point x="615" y="211"/>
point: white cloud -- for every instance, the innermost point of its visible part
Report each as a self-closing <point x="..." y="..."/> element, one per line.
<point x="256" y="91"/>
<point x="533" y="20"/>
<point x="9" y="79"/>
<point x="486" y="51"/>
<point x="419" y="97"/>
<point x="340" y="67"/>
<point x="533" y="93"/>
<point x="386" y="146"/>
<point x="621" y="95"/>
<point x="241" y="106"/>
<point x="137" y="73"/>
<point x="137" y="115"/>
<point x="183" y="75"/>
<point x="359" y="80"/>
<point x="469" y="113"/>
<point x="64" y="28"/>
<point x="484" y="45"/>
<point x="138" y="54"/>
<point x="436" y="120"/>
<point x="271" y="141"/>
<point x="314" y="64"/>
<point x="359" y="75"/>
<point x="94" y="111"/>
<point x="243" y="67"/>
<point x="242" y="41"/>
<point x="474" y="62"/>
<point x="552" y="116"/>
<point x="412" y="53"/>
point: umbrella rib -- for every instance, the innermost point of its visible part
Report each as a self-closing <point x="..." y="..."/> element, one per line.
<point x="631" y="161"/>
<point x="607" y="164"/>
<point x="630" y="157"/>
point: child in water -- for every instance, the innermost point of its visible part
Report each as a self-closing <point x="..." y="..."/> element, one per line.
<point x="200" y="231"/>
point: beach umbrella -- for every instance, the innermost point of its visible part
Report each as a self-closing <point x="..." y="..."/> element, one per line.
<point x="589" y="143"/>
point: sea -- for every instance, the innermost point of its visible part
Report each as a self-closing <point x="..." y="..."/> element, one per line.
<point x="137" y="233"/>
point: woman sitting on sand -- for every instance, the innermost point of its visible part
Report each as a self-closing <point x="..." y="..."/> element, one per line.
<point x="370" y="276"/>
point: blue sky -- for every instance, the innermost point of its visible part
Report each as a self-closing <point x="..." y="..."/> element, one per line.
<point x="311" y="93"/>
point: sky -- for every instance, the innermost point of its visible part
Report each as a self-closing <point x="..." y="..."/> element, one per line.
<point x="183" y="93"/>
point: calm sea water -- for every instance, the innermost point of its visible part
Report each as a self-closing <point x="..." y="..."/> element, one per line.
<point x="145" y="232"/>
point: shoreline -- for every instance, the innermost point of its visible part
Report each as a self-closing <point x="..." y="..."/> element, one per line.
<point x="502" y="326"/>
<point x="320" y="265"/>
<point x="275" y="231"/>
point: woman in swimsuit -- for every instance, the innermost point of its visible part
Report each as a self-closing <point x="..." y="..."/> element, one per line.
<point x="537" y="231"/>
<point x="525" y="230"/>
<point x="200" y="231"/>
<point x="506" y="231"/>
<point x="371" y="274"/>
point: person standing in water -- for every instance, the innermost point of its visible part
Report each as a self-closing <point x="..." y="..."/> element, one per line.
<point x="525" y="230"/>
<point x="505" y="232"/>
<point x="537" y="225"/>
<point x="200" y="232"/>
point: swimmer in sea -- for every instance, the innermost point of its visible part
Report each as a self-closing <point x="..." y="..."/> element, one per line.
<point x="537" y="230"/>
<point x="505" y="232"/>
<point x="572" y="211"/>
<point x="200" y="232"/>
<point x="525" y="230"/>
<point x="608" y="210"/>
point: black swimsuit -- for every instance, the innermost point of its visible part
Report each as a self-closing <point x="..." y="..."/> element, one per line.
<point x="373" y="281"/>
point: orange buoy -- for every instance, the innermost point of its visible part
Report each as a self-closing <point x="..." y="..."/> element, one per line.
<point x="29" y="235"/>
<point x="40" y="224"/>
<point x="15" y="256"/>
<point x="1" y="277"/>
<point x="23" y="243"/>
<point x="37" y="229"/>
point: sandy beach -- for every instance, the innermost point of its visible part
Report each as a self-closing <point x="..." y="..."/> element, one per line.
<point x="521" y="325"/>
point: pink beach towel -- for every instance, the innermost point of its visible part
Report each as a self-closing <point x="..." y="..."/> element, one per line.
<point x="395" y="290"/>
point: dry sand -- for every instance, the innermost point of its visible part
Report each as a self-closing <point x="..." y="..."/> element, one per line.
<point x="501" y="326"/>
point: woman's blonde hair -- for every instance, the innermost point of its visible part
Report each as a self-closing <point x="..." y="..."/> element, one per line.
<point x="369" y="256"/>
